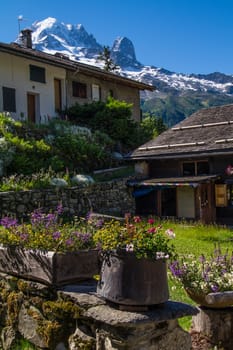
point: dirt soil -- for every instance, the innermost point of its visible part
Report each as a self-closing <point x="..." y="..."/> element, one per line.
<point x="200" y="342"/>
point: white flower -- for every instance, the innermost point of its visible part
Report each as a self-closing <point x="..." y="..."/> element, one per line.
<point x="129" y="247"/>
<point x="161" y="255"/>
<point x="170" y="233"/>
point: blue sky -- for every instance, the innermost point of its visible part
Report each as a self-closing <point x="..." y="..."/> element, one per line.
<point x="187" y="36"/>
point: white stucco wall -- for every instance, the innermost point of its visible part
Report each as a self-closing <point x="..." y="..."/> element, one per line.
<point x="121" y="92"/>
<point x="14" y="73"/>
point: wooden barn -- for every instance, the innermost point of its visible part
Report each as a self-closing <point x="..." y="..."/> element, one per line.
<point x="187" y="171"/>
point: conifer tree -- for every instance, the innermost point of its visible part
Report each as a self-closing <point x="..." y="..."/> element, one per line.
<point x="105" y="56"/>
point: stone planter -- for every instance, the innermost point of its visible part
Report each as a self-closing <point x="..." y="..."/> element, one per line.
<point x="127" y="280"/>
<point x="49" y="267"/>
<point x="216" y="300"/>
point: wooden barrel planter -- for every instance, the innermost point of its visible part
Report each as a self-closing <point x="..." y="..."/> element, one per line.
<point x="48" y="267"/>
<point x="128" y="280"/>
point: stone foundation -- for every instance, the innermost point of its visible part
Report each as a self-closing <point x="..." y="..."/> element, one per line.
<point x="74" y="317"/>
<point x="216" y="326"/>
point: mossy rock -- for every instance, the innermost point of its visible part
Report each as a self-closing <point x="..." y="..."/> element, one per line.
<point x="14" y="302"/>
<point x="36" y="288"/>
<point x="51" y="332"/>
<point x="61" y="310"/>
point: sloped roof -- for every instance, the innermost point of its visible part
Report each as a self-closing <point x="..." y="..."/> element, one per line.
<point x="208" y="131"/>
<point x="63" y="61"/>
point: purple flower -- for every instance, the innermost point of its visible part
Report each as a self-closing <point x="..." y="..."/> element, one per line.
<point x="36" y="217"/>
<point x="8" y="222"/>
<point x="59" y="209"/>
<point x="83" y="237"/>
<point x="89" y="216"/>
<point x="206" y="276"/>
<point x="214" y="288"/>
<point x="69" y="241"/>
<point x="23" y="236"/>
<point x="99" y="223"/>
<point x="56" y="235"/>
<point x="50" y="219"/>
<point x="202" y="259"/>
<point x="176" y="270"/>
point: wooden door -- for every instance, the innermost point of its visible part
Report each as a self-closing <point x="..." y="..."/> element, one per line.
<point x="205" y="204"/>
<point x="185" y="202"/>
<point x="31" y="102"/>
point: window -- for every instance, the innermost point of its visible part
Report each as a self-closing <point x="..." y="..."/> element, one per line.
<point x="195" y="168"/>
<point x="221" y="195"/>
<point x="95" y="92"/>
<point x="9" y="104"/>
<point x="79" y="89"/>
<point x="37" y="74"/>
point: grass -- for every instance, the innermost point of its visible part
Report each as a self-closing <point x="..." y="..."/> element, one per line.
<point x="114" y="173"/>
<point x="24" y="345"/>
<point x="195" y="239"/>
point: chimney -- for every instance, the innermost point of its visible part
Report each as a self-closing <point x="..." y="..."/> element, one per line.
<point x="26" y="38"/>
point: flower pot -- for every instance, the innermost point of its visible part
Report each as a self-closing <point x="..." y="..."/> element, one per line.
<point x="216" y="300"/>
<point x="49" y="267"/>
<point x="128" y="280"/>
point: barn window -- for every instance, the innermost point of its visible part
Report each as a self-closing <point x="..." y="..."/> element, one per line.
<point x="195" y="168"/>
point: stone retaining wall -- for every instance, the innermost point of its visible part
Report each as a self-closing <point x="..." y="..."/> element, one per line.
<point x="74" y="317"/>
<point x="111" y="198"/>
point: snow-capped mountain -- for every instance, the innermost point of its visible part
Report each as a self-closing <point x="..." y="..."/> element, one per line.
<point x="52" y="36"/>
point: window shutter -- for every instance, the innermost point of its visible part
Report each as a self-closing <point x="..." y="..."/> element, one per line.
<point x="221" y="195"/>
<point x="95" y="92"/>
<point x="9" y="101"/>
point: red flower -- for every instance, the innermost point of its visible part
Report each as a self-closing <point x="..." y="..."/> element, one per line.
<point x="137" y="219"/>
<point x="151" y="221"/>
<point x="152" y="230"/>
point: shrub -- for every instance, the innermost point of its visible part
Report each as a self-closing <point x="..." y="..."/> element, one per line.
<point x="26" y="149"/>
<point x="113" y="118"/>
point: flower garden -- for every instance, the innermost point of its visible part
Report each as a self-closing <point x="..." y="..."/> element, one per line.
<point x="191" y="246"/>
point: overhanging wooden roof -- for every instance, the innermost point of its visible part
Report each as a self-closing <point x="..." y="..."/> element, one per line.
<point x="206" y="132"/>
<point x="62" y="61"/>
<point x="192" y="181"/>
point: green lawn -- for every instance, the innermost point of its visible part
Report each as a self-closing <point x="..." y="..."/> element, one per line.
<point x="195" y="239"/>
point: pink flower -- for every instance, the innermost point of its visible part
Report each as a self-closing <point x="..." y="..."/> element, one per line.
<point x="137" y="219"/>
<point x="152" y="230"/>
<point x="151" y="221"/>
<point x="170" y="233"/>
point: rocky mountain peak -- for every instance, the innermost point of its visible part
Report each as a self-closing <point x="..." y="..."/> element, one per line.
<point x="123" y="53"/>
<point x="50" y="35"/>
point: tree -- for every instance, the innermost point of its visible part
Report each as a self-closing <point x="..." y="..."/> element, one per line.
<point x="105" y="56"/>
<point x="152" y="125"/>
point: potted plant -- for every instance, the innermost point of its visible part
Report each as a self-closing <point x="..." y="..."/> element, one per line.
<point x="207" y="280"/>
<point x="46" y="249"/>
<point x="134" y="254"/>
